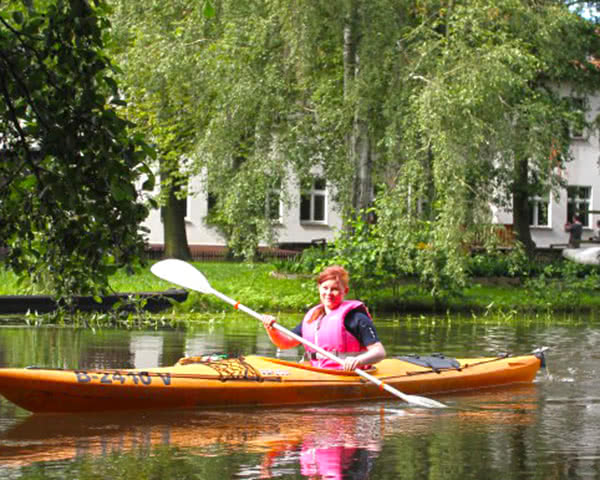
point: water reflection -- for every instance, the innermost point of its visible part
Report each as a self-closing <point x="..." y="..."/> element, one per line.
<point x="321" y="438"/>
<point x="321" y="442"/>
<point x="548" y="429"/>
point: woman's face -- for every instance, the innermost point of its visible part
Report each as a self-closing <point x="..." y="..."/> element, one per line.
<point x="332" y="293"/>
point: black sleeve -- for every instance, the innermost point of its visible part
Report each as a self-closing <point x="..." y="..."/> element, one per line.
<point x="358" y="323"/>
<point x="298" y="329"/>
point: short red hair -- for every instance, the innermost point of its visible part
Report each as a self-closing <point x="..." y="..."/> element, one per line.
<point x="335" y="272"/>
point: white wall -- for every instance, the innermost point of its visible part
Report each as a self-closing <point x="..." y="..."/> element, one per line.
<point x="290" y="231"/>
<point x="582" y="171"/>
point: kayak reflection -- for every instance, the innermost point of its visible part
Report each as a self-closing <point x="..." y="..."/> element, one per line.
<point x="322" y="439"/>
<point x="342" y="447"/>
<point x="338" y="441"/>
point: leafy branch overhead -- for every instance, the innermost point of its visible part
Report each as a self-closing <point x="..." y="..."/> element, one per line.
<point x="69" y="161"/>
<point x="428" y="111"/>
<point x="422" y="113"/>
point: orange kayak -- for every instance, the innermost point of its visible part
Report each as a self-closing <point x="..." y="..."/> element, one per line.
<point x="216" y="382"/>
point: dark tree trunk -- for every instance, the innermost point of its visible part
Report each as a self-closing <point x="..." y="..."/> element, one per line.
<point x="521" y="207"/>
<point x="359" y="144"/>
<point x="175" y="236"/>
<point x="173" y="214"/>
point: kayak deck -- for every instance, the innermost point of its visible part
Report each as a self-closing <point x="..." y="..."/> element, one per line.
<point x="210" y="382"/>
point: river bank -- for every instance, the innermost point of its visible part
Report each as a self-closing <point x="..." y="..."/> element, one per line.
<point x="263" y="288"/>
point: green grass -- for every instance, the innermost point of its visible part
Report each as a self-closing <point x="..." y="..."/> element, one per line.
<point x="260" y="288"/>
<point x="253" y="285"/>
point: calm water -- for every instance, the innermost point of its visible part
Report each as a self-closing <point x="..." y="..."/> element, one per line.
<point x="549" y="429"/>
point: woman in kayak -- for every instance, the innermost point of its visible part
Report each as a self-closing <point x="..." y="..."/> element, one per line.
<point x="343" y="327"/>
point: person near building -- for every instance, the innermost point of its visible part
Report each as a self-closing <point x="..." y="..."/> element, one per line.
<point x="575" y="229"/>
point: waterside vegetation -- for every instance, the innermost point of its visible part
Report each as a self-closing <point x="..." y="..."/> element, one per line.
<point x="499" y="285"/>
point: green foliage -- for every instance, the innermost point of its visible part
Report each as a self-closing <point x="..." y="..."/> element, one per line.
<point x="479" y="75"/>
<point x="442" y="102"/>
<point x="565" y="282"/>
<point x="68" y="162"/>
<point x="356" y="248"/>
<point x="501" y="263"/>
<point x="309" y="261"/>
<point x="375" y="259"/>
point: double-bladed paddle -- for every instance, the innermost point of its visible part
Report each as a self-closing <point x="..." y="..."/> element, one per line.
<point x="183" y="274"/>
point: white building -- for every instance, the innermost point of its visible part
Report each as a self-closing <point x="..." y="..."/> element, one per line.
<point x="312" y="215"/>
<point x="582" y="176"/>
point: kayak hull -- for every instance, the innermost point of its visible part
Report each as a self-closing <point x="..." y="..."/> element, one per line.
<point x="247" y="381"/>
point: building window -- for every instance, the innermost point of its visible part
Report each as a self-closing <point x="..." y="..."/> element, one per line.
<point x="313" y="201"/>
<point x="211" y="202"/>
<point x="273" y="205"/>
<point x="539" y="211"/>
<point x="577" y="127"/>
<point x="578" y="203"/>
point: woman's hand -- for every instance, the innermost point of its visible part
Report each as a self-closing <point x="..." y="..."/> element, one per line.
<point x="279" y="339"/>
<point x="351" y="363"/>
<point x="268" y="321"/>
<point x="374" y="354"/>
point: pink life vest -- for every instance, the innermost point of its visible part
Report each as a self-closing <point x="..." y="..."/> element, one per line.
<point x="330" y="462"/>
<point x="329" y="333"/>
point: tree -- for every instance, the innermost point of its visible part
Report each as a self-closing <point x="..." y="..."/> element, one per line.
<point x="264" y="107"/>
<point x="253" y="98"/>
<point x="159" y="47"/>
<point x="445" y="107"/>
<point x="69" y="167"/>
<point x="359" y="147"/>
<point x="481" y="122"/>
<point x="295" y="91"/>
<point x="449" y="108"/>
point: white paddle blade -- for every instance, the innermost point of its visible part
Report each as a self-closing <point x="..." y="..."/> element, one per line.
<point x="424" y="402"/>
<point x="181" y="273"/>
